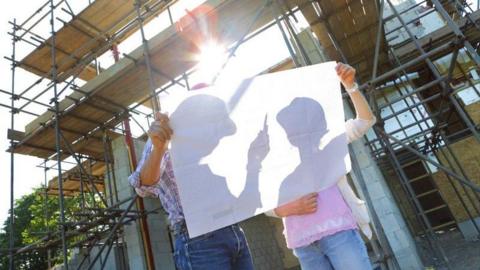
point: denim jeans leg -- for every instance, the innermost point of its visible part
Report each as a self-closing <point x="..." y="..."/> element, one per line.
<point x="311" y="257"/>
<point x="243" y="260"/>
<point x="180" y="254"/>
<point x="346" y="251"/>
<point x="209" y="252"/>
<point x="223" y="249"/>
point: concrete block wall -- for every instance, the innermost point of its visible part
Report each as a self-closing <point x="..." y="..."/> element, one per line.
<point x="157" y="223"/>
<point x="132" y="233"/>
<point x="392" y="222"/>
<point x="79" y="255"/>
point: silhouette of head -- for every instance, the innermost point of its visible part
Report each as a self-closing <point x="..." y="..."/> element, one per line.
<point x="210" y="115"/>
<point x="303" y="116"/>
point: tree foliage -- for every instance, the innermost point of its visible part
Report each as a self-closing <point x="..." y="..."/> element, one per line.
<point x="36" y="217"/>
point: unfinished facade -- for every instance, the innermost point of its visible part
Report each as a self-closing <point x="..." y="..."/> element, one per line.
<point x="418" y="169"/>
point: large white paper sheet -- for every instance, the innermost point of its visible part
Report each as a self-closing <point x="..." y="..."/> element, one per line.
<point x="241" y="149"/>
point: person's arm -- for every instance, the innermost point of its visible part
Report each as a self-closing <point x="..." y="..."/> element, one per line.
<point x="151" y="171"/>
<point x="302" y="206"/>
<point x="355" y="128"/>
<point x="361" y="106"/>
<point x="159" y="133"/>
<point x="346" y="74"/>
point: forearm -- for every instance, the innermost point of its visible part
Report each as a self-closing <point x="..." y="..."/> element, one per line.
<point x="301" y="206"/>
<point x="361" y="106"/>
<point x="150" y="172"/>
<point x="346" y="75"/>
<point x="284" y="210"/>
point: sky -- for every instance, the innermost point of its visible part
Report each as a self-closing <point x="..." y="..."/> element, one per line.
<point x="27" y="174"/>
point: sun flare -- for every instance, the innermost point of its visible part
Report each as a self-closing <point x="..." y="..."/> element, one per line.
<point x="211" y="58"/>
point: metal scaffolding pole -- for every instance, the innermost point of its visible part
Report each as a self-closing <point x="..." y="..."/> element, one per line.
<point x="100" y="35"/>
<point x="50" y="6"/>
<point x="432" y="67"/>
<point x="113" y="232"/>
<point x="293" y="35"/>
<point x="445" y="139"/>
<point x="12" y="160"/>
<point x="385" y="140"/>
<point x="146" y="56"/>
<point x="458" y="32"/>
<point x="47" y="227"/>
<point x="106" y="155"/>
<point x="419" y="212"/>
<point x="433" y="162"/>
<point x="457" y="193"/>
<point x="57" y="137"/>
<point x="82" y="193"/>
<point x="81" y="227"/>
<point x="82" y="169"/>
<point x="384" y="252"/>
<point x="285" y="39"/>
<point x="144" y="229"/>
<point x="464" y="181"/>
<point x="421" y="58"/>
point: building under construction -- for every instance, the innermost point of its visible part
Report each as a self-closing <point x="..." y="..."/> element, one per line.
<point x="418" y="62"/>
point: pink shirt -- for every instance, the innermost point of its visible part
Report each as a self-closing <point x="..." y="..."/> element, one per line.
<point x="333" y="214"/>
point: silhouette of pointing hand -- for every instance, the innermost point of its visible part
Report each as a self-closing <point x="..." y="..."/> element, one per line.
<point x="259" y="148"/>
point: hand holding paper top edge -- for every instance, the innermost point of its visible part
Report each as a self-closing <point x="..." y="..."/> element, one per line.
<point x="346" y="73"/>
<point x="160" y="134"/>
<point x="160" y="131"/>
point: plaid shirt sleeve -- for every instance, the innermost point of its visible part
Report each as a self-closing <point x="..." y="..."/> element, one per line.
<point x="134" y="178"/>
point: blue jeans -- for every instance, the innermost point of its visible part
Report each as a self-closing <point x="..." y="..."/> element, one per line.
<point x="223" y="249"/>
<point x="344" y="250"/>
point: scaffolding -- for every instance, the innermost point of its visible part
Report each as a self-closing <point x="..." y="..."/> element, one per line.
<point x="71" y="53"/>
<point x="440" y="118"/>
<point x="410" y="148"/>
<point x="395" y="65"/>
<point x="446" y="110"/>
